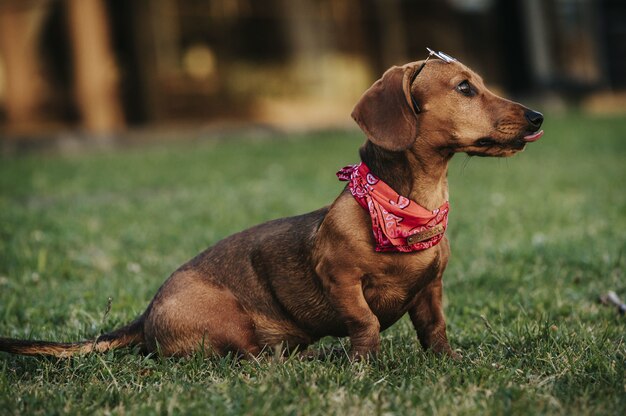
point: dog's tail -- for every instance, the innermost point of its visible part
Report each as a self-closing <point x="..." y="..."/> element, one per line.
<point x="129" y="335"/>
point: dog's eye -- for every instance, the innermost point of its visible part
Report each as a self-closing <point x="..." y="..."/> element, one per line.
<point x="466" y="89"/>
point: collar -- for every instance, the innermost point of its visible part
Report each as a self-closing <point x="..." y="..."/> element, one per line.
<point x="398" y="223"/>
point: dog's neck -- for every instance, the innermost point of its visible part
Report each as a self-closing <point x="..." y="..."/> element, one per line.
<point x="419" y="173"/>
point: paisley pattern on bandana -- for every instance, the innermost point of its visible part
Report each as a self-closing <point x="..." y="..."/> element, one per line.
<point x="395" y="218"/>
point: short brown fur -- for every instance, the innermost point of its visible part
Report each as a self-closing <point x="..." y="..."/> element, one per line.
<point x="292" y="281"/>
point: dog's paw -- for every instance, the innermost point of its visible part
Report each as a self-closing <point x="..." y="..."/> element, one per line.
<point x="322" y="353"/>
<point x="357" y="355"/>
<point x="448" y="352"/>
<point x="455" y="355"/>
<point x="444" y="349"/>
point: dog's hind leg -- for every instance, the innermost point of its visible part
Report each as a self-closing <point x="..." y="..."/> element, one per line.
<point x="189" y="314"/>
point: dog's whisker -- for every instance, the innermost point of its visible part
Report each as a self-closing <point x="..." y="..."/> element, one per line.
<point x="465" y="163"/>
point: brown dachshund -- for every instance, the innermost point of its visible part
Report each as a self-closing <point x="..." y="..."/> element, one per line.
<point x="291" y="281"/>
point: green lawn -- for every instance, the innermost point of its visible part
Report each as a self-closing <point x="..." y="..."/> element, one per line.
<point x="535" y="240"/>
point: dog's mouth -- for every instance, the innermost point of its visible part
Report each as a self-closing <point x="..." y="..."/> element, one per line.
<point x="490" y="146"/>
<point x="533" y="137"/>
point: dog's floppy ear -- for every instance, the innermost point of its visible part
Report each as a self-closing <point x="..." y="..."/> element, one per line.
<point x="385" y="112"/>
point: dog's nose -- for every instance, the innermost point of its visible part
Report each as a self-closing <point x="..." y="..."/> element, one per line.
<point x="535" y="118"/>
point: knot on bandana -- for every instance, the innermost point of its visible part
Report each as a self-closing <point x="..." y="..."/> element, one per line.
<point x="398" y="223"/>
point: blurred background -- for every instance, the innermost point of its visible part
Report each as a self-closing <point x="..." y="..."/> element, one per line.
<point x="105" y="67"/>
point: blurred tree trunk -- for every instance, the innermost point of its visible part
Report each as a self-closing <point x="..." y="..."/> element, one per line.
<point x="307" y="37"/>
<point x="95" y="71"/>
<point x="20" y="27"/>
<point x="394" y="51"/>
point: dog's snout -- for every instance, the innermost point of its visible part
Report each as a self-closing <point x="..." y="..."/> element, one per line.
<point x="534" y="118"/>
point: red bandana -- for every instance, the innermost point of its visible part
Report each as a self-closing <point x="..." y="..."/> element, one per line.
<point x="398" y="223"/>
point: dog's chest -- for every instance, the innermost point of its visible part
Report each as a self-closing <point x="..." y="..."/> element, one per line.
<point x="391" y="289"/>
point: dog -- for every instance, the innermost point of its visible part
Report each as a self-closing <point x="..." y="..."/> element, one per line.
<point x="355" y="267"/>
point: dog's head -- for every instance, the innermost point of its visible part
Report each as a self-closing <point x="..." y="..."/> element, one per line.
<point x="447" y="105"/>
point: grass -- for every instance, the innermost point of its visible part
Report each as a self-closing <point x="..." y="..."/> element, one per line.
<point x="535" y="240"/>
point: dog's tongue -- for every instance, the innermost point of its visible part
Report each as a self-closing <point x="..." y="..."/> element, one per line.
<point x="533" y="137"/>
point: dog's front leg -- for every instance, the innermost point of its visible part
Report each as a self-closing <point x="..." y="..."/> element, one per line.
<point x="427" y="316"/>
<point x="345" y="294"/>
<point x="363" y="326"/>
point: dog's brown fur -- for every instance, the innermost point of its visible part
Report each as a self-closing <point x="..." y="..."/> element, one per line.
<point x="294" y="280"/>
